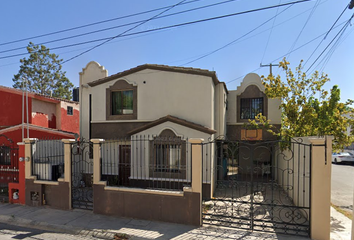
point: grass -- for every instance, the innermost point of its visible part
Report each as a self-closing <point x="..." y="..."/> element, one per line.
<point x="346" y="213"/>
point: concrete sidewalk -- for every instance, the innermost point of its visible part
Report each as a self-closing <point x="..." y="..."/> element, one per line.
<point x="88" y="224"/>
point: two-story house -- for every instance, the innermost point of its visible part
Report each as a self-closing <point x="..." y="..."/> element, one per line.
<point x="152" y="101"/>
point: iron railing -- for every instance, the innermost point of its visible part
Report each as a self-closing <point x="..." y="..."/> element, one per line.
<point x="48" y="159"/>
<point x="146" y="162"/>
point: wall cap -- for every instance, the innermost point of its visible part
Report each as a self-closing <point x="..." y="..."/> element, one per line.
<point x="196" y="140"/>
<point x="148" y="191"/>
<point x="68" y="140"/>
<point x="96" y="140"/>
<point x="30" y="140"/>
<point x="317" y="140"/>
<point x="45" y="182"/>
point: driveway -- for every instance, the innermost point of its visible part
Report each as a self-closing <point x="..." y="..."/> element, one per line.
<point x="342" y="185"/>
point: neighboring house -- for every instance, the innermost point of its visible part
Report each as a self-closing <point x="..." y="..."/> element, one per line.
<point x="157" y="101"/>
<point x="48" y="117"/>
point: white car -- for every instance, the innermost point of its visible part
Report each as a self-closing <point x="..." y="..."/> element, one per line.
<point x="342" y="157"/>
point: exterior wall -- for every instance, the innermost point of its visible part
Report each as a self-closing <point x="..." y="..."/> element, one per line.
<point x="177" y="209"/>
<point x="272" y="110"/>
<point x="179" y="131"/>
<point x="91" y="72"/>
<point x="159" y="93"/>
<point x="69" y="123"/>
<point x="10" y="108"/>
<point x="43" y="113"/>
<point x="51" y="195"/>
<point x="221" y="99"/>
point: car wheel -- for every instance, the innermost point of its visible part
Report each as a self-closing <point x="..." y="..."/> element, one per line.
<point x="335" y="161"/>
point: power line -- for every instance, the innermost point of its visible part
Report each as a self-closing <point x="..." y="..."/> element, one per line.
<point x="303" y="27"/>
<point x="336" y="21"/>
<point x="119" y="26"/>
<point x="340" y="31"/>
<point x="233" y="41"/>
<point x="92" y="24"/>
<point x="80" y="54"/>
<point x="270" y="33"/>
<point x="277" y="59"/>
<point x="167" y="27"/>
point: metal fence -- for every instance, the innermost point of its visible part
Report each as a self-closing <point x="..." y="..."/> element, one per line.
<point x="9" y="169"/>
<point x="147" y="162"/>
<point x="48" y="159"/>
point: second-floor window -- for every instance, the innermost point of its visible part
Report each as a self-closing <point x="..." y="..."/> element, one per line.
<point x="250" y="107"/>
<point x="69" y="110"/>
<point x="122" y="102"/>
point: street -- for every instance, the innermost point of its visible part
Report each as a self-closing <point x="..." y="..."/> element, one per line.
<point x="342" y="185"/>
<point x="10" y="232"/>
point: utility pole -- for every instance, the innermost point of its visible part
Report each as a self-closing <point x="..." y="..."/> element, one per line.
<point x="270" y="66"/>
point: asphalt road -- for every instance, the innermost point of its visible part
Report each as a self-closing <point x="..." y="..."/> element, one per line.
<point x="342" y="185"/>
<point x="11" y="232"/>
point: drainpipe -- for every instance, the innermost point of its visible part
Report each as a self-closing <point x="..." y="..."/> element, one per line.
<point x="27" y="110"/>
<point x="23" y="109"/>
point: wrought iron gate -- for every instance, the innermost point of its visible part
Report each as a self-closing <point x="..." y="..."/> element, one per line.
<point x="259" y="186"/>
<point x="9" y="169"/>
<point x="82" y="174"/>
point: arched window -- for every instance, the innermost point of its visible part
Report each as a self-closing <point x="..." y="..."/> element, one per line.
<point x="168" y="156"/>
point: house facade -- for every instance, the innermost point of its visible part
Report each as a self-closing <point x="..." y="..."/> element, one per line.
<point x="151" y="102"/>
<point x="35" y="116"/>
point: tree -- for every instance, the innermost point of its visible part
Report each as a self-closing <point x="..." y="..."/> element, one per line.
<point x="43" y="73"/>
<point x="308" y="109"/>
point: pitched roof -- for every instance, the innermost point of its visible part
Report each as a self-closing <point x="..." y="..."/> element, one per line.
<point x="176" y="120"/>
<point x="195" y="71"/>
<point x="38" y="128"/>
<point x="36" y="95"/>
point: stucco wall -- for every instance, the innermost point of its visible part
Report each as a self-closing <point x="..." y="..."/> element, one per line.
<point x="159" y="93"/>
<point x="42" y="111"/>
<point x="91" y="72"/>
<point x="69" y="123"/>
<point x="10" y="108"/>
<point x="273" y="111"/>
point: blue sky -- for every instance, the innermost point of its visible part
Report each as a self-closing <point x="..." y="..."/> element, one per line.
<point x="257" y="37"/>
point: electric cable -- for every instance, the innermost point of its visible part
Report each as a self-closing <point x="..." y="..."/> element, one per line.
<point x="342" y="29"/>
<point x="128" y="30"/>
<point x="168" y="27"/>
<point x="118" y="26"/>
<point x="270" y="33"/>
<point x="233" y="41"/>
<point x="92" y="24"/>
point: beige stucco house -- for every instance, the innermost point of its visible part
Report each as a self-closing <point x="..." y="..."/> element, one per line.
<point x="151" y="101"/>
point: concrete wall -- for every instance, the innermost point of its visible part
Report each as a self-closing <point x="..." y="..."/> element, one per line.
<point x="170" y="206"/>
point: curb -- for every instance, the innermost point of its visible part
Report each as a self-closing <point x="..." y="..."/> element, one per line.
<point x="21" y="222"/>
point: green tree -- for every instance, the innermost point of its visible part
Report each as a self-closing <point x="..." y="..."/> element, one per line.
<point x="43" y="73"/>
<point x="307" y="108"/>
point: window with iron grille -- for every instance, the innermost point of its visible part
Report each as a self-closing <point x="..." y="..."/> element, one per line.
<point x="5" y="155"/>
<point x="167" y="157"/>
<point x="250" y="107"/>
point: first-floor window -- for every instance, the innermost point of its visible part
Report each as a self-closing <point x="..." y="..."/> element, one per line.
<point x="5" y="156"/>
<point x="122" y="102"/>
<point x="250" y="107"/>
<point x="167" y="157"/>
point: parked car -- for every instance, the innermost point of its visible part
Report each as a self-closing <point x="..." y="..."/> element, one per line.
<point x="342" y="157"/>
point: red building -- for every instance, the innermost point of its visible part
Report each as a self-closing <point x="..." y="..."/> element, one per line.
<point x="47" y="117"/>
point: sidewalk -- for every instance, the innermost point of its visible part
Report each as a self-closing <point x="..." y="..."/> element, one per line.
<point x="88" y="224"/>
